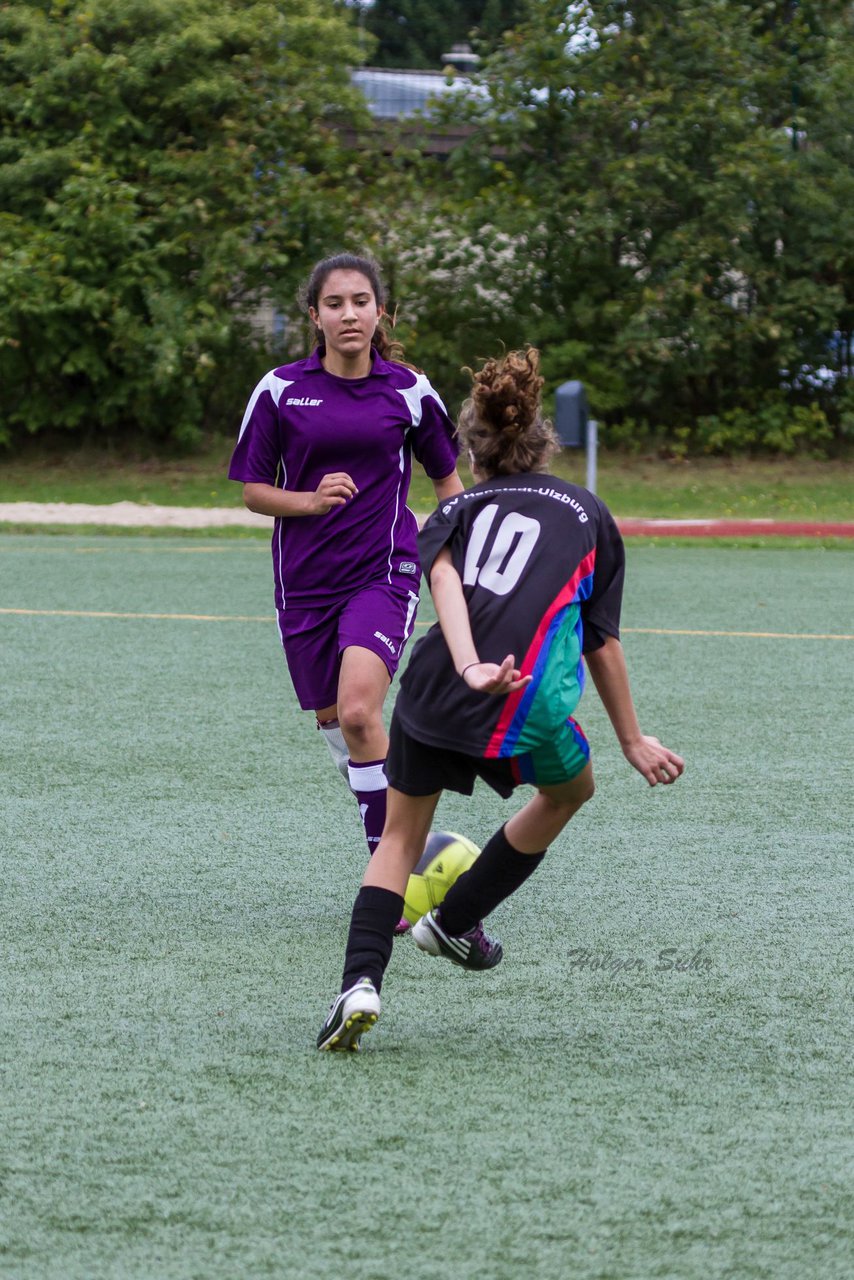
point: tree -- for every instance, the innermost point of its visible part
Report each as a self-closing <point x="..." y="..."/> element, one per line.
<point x="660" y="228"/>
<point x="822" y="207"/>
<point x="164" y="164"/>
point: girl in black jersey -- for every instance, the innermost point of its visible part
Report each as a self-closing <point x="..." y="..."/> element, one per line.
<point x="526" y="573"/>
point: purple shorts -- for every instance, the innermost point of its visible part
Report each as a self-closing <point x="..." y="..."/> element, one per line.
<point x="379" y="617"/>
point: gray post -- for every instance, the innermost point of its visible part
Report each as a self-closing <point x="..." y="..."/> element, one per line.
<point x="592" y="441"/>
<point x="575" y="429"/>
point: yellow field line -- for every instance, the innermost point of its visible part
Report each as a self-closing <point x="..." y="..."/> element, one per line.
<point x="237" y="617"/>
<point x="750" y="635"/>
<point x="168" y="617"/>
<point x="157" y="549"/>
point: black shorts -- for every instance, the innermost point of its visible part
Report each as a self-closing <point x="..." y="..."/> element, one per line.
<point x="417" y="769"/>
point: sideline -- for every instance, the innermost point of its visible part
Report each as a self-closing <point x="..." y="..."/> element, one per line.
<point x="135" y="515"/>
<point x="269" y="621"/>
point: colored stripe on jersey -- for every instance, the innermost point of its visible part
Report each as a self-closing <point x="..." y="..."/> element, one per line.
<point x="528" y="714"/>
<point x="559" y="759"/>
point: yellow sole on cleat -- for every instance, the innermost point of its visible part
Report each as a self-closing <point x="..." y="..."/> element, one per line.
<point x="348" y="1037"/>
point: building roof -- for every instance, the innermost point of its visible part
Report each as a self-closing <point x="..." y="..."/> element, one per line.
<point x="397" y="95"/>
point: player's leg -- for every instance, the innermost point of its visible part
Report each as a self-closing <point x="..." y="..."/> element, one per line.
<point x="379" y="903"/>
<point x="310" y="643"/>
<point x="541" y="820"/>
<point x="354" y="732"/>
<point x="376" y="912"/>
<point x="562" y="773"/>
<point x="359" y="677"/>
<point x="330" y="729"/>
<point x="362" y="686"/>
<point x="363" y="683"/>
<point x="417" y="776"/>
<point x="373" y="628"/>
<point x="455" y="929"/>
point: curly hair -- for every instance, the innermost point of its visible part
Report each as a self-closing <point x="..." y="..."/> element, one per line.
<point x="501" y="424"/>
<point x="309" y="294"/>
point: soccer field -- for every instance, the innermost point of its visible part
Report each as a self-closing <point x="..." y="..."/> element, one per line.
<point x="179" y="862"/>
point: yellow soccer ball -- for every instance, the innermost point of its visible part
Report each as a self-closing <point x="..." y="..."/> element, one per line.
<point x="446" y="856"/>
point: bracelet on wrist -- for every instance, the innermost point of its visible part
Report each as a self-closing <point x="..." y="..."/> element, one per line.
<point x="468" y="667"/>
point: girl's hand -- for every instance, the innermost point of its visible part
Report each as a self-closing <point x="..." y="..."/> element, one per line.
<point x="487" y="677"/>
<point x="334" y="490"/>
<point x="656" y="762"/>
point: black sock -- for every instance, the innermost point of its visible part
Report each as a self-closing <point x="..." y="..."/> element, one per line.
<point x="498" y="872"/>
<point x="375" y="913"/>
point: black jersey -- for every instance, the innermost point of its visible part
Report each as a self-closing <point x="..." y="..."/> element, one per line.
<point x="542" y="563"/>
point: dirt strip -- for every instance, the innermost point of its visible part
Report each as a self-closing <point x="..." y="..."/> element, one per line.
<point x="136" y="515"/>
<point x="131" y="515"/>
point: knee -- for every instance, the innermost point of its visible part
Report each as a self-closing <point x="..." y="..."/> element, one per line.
<point x="582" y="789"/>
<point x="564" y="806"/>
<point x="357" y="719"/>
<point x="587" y="787"/>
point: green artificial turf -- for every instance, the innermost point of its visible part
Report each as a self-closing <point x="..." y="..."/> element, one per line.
<point x="179" y="860"/>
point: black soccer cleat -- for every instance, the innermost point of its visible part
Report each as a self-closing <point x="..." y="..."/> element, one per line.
<point x="472" y="950"/>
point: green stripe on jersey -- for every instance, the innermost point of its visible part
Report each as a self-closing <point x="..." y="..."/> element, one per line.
<point x="559" y="689"/>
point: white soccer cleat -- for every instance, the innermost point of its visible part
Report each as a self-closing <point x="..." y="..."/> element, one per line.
<point x="350" y="1015"/>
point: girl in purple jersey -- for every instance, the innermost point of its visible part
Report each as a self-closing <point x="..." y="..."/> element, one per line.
<point x="523" y="564"/>
<point x="326" y="448"/>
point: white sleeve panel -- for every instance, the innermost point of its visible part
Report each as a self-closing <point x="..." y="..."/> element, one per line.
<point x="415" y="394"/>
<point x="270" y="382"/>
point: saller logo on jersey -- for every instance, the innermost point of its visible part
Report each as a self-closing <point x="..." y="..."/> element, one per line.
<point x="408" y="566"/>
<point x="303" y="401"/>
<point x="379" y="635"/>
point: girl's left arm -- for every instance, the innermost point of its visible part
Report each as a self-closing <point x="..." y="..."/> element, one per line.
<point x="607" y="666"/>
<point x="452" y="612"/>
<point x="448" y="487"/>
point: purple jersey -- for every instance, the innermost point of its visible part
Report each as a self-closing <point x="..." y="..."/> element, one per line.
<point x="302" y="423"/>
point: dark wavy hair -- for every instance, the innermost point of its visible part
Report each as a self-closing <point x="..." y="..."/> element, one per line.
<point x="501" y="424"/>
<point x="387" y="346"/>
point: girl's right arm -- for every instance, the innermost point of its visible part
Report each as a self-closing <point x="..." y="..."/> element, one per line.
<point x="452" y="612"/>
<point x="334" y="490"/>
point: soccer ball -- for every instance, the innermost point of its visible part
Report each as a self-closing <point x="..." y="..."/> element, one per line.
<point x="446" y="856"/>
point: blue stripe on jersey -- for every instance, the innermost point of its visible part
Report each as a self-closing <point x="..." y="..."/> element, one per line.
<point x="579" y="736"/>
<point x="517" y="724"/>
<point x="523" y="768"/>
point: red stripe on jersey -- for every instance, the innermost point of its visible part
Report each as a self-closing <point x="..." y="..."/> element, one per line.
<point x="565" y="596"/>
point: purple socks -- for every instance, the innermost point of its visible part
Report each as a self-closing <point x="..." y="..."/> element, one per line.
<point x="368" y="784"/>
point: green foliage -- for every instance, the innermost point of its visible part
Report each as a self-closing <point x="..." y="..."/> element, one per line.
<point x="774" y="426"/>
<point x="660" y="195"/>
<point x="672" y="187"/>
<point x="164" y="164"/>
